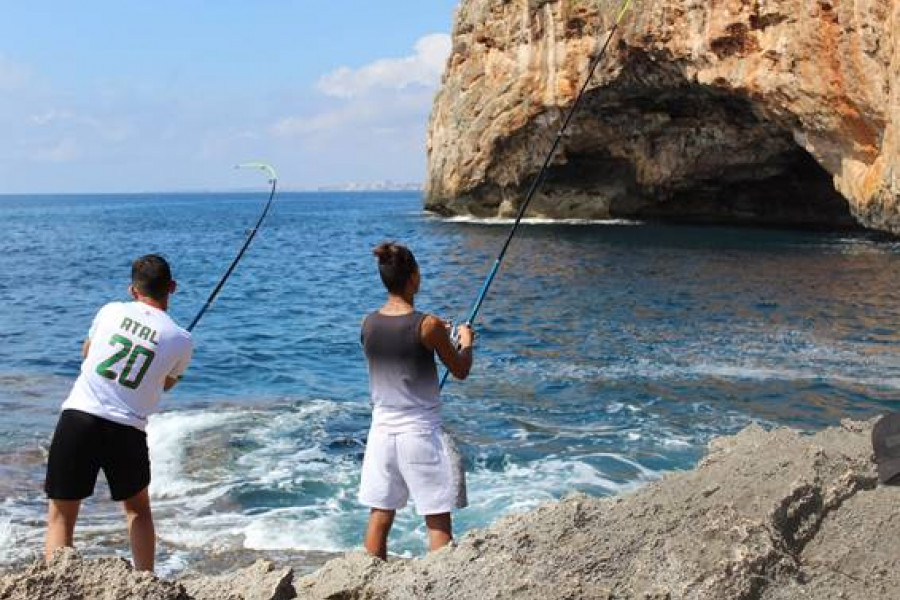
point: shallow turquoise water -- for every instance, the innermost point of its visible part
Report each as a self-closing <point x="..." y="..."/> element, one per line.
<point x="608" y="354"/>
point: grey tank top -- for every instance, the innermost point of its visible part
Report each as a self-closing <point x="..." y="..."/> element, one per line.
<point x="403" y="378"/>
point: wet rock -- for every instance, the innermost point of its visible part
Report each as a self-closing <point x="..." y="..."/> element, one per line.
<point x="774" y="112"/>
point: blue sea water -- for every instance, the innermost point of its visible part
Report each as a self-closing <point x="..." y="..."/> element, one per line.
<point x="609" y="353"/>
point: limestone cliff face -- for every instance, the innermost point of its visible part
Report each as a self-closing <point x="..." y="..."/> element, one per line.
<point x="782" y="112"/>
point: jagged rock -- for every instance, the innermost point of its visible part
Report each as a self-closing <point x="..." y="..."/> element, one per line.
<point x="260" y="581"/>
<point x="764" y="513"/>
<point x="340" y="579"/>
<point x="68" y="577"/>
<point x="782" y="112"/>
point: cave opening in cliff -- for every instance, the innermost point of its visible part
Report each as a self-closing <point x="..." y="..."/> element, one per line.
<point x="656" y="147"/>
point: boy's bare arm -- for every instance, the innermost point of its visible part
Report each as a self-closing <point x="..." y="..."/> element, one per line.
<point x="436" y="337"/>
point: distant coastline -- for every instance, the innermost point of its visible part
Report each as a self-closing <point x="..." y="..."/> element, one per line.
<point x="376" y="186"/>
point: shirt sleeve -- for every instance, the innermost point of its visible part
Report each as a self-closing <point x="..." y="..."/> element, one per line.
<point x="182" y="364"/>
<point x="97" y="319"/>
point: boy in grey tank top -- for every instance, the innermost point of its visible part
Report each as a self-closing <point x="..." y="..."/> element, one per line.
<point x="407" y="453"/>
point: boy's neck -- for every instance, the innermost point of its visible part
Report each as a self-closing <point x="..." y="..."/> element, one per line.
<point x="162" y="305"/>
<point x="401" y="301"/>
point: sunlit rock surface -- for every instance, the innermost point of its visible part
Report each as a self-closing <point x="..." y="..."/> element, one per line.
<point x="774" y="112"/>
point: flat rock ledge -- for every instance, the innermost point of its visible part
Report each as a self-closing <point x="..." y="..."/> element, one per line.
<point x="767" y="515"/>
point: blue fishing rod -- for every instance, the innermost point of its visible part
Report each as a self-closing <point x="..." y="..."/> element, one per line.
<point x="273" y="181"/>
<point x="535" y="185"/>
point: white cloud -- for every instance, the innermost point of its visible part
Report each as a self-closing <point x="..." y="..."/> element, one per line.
<point x="389" y="95"/>
<point x="326" y="121"/>
<point x="12" y="75"/>
<point x="422" y="69"/>
<point x="107" y="129"/>
<point x="51" y="116"/>
<point x="66" y="150"/>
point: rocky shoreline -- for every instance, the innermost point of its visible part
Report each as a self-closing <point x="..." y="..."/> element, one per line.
<point x="767" y="515"/>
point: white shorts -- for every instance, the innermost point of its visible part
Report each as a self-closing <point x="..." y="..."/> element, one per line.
<point x="425" y="465"/>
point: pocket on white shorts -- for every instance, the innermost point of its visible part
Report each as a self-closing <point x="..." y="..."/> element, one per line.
<point x="419" y="448"/>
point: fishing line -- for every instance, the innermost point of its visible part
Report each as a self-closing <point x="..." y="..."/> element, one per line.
<point x="273" y="180"/>
<point x="476" y="307"/>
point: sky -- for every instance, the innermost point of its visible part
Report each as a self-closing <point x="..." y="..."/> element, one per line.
<point x="168" y="95"/>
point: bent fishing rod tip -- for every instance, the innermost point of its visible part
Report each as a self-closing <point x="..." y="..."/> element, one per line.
<point x="269" y="169"/>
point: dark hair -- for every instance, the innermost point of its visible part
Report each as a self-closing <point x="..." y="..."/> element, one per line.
<point x="151" y="276"/>
<point x="396" y="265"/>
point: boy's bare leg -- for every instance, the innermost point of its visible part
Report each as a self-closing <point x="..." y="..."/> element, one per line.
<point x="141" y="531"/>
<point x="440" y="530"/>
<point x="61" y="517"/>
<point x="380" y="522"/>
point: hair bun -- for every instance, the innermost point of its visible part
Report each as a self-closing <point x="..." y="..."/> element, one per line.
<point x="396" y="265"/>
<point x="385" y="252"/>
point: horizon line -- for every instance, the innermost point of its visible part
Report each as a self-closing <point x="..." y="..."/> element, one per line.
<point x="244" y="190"/>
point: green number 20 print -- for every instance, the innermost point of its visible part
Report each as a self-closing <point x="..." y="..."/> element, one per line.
<point x="134" y="353"/>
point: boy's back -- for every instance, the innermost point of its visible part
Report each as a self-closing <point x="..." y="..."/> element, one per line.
<point x="134" y="347"/>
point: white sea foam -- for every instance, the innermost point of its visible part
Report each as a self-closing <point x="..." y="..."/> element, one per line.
<point x="294" y="529"/>
<point x="282" y="457"/>
<point x="172" y="564"/>
<point x="303" y="528"/>
<point x="212" y="532"/>
<point x="168" y="435"/>
<point x="332" y="523"/>
<point x="7" y="540"/>
<point x="282" y="452"/>
<point x="645" y="473"/>
<point x="535" y="221"/>
<point x="521" y="487"/>
<point x="21" y="535"/>
<point x="650" y="369"/>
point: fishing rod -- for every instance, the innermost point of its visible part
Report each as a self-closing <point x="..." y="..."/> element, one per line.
<point x="273" y="180"/>
<point x="476" y="307"/>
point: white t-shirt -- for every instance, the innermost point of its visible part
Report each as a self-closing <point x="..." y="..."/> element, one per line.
<point x="134" y="348"/>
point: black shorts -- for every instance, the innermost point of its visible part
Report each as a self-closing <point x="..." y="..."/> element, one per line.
<point x="82" y="445"/>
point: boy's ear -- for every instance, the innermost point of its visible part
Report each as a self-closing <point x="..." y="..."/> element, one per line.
<point x="132" y="291"/>
<point x="173" y="285"/>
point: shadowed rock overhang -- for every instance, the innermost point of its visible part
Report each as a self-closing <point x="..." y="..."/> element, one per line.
<point x="772" y="113"/>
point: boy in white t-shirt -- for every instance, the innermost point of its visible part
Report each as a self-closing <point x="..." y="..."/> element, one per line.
<point x="133" y="352"/>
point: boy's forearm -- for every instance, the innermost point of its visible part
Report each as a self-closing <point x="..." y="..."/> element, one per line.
<point x="466" y="358"/>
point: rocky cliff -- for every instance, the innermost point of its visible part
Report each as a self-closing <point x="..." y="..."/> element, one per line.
<point x="782" y="112"/>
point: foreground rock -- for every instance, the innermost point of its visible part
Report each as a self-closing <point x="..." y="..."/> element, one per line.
<point x="783" y="112"/>
<point x="771" y="515"/>
<point x="70" y="577"/>
<point x="765" y="516"/>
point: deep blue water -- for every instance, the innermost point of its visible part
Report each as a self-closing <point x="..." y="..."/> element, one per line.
<point x="608" y="353"/>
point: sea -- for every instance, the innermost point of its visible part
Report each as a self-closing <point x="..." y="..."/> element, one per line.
<point x="608" y="354"/>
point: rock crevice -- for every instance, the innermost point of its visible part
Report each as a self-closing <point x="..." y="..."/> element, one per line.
<point x="777" y="112"/>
